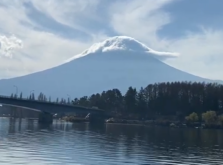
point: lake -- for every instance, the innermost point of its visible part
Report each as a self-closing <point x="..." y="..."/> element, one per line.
<point x="26" y="142"/>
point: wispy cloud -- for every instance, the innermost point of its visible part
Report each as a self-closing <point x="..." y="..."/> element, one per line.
<point x="52" y="31"/>
<point x="141" y="19"/>
<point x="200" y="51"/>
<point x="42" y="48"/>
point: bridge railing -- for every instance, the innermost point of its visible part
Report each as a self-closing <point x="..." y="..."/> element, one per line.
<point x="39" y="101"/>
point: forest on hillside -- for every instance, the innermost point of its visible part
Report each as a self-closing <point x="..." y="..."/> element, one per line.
<point x="160" y="99"/>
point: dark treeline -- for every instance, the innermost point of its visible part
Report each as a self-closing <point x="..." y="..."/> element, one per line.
<point x="162" y="99"/>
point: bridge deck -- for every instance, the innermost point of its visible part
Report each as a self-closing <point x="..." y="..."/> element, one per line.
<point x="46" y="106"/>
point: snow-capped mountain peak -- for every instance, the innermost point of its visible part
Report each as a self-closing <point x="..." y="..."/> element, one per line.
<point x="118" y="43"/>
<point x="122" y="43"/>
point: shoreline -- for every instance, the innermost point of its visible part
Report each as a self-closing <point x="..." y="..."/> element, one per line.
<point x="173" y="124"/>
<point x="142" y="122"/>
<point x="157" y="125"/>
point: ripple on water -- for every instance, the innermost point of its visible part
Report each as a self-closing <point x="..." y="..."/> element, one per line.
<point x="63" y="143"/>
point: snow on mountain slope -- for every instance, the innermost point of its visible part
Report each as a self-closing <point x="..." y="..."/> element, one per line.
<point x="118" y="62"/>
<point x="122" y="43"/>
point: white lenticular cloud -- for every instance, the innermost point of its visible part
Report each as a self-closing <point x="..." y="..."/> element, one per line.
<point x="164" y="55"/>
<point x="9" y="44"/>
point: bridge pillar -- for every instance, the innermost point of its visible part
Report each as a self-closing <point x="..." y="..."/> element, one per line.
<point x="45" y="118"/>
<point x="16" y="112"/>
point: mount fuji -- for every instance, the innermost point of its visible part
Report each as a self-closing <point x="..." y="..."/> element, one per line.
<point x="118" y="62"/>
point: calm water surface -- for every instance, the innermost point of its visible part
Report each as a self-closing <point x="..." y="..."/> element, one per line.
<point x="25" y="142"/>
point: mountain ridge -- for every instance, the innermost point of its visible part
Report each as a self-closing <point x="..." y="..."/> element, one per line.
<point x="98" y="71"/>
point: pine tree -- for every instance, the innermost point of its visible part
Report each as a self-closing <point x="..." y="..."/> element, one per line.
<point x="130" y="99"/>
<point x="75" y="101"/>
<point x="141" y="103"/>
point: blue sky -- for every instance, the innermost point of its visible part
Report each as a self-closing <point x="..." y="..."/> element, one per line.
<point x="39" y="34"/>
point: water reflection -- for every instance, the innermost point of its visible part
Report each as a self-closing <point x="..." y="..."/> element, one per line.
<point x="26" y="142"/>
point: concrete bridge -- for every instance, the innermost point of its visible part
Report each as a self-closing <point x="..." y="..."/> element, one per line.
<point x="49" y="107"/>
